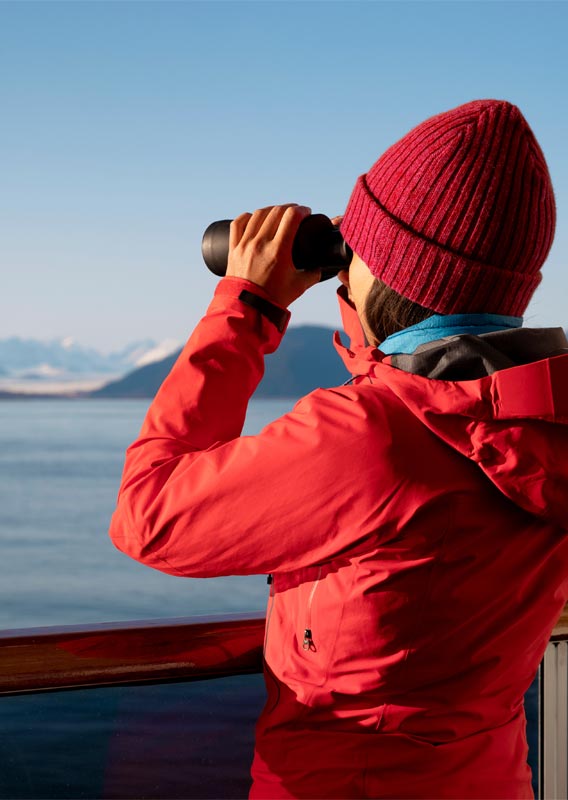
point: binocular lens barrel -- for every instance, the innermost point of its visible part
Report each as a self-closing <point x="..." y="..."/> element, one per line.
<point x="318" y="245"/>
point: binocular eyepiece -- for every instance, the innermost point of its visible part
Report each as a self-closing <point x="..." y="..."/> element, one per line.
<point x="318" y="245"/>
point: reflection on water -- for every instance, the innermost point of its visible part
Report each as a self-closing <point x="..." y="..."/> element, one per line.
<point x="183" y="740"/>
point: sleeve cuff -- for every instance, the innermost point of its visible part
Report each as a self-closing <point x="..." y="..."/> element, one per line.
<point x="254" y="296"/>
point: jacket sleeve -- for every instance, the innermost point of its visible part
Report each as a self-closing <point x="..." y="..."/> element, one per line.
<point x="199" y="500"/>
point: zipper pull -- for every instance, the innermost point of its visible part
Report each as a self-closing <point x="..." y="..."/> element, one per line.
<point x="269" y="579"/>
<point x="308" y="643"/>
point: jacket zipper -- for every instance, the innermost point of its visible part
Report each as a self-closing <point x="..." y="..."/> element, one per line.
<point x="270" y="582"/>
<point x="308" y="643"/>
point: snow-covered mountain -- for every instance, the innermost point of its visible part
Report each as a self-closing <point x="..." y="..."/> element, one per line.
<point x="33" y="365"/>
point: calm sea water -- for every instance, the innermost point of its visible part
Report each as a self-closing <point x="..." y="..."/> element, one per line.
<point x="60" y="468"/>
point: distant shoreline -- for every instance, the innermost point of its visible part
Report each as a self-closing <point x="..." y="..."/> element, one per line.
<point x="7" y="396"/>
<point x="303" y="362"/>
<point x="43" y="396"/>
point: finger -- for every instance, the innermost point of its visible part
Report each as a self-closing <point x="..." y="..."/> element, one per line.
<point x="337" y="220"/>
<point x="255" y="222"/>
<point x="289" y="224"/>
<point x="237" y="229"/>
<point x="343" y="276"/>
<point x="272" y="220"/>
<point x="311" y="278"/>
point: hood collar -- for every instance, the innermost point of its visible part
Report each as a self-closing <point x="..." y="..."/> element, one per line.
<point x="359" y="356"/>
<point x="512" y="423"/>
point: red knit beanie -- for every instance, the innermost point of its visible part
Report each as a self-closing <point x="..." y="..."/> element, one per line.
<point x="459" y="214"/>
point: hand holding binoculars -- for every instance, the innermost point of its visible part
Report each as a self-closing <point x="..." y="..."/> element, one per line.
<point x="318" y="245"/>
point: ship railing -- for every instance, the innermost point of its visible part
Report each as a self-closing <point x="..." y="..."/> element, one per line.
<point x="40" y="660"/>
<point x="126" y="653"/>
<point x="553" y="715"/>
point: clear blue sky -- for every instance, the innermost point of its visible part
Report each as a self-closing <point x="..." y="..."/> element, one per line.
<point x="126" y="127"/>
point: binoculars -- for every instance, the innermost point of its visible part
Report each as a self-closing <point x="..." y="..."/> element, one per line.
<point x="318" y="244"/>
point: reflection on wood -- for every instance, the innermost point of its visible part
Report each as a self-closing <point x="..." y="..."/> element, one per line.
<point x="129" y="652"/>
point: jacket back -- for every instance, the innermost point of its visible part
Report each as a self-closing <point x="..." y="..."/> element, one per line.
<point x="415" y="527"/>
<point x="431" y="630"/>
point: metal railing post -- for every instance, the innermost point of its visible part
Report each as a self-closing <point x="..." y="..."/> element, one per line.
<point x="554" y="723"/>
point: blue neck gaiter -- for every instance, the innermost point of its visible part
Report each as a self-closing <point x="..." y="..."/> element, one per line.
<point x="440" y="325"/>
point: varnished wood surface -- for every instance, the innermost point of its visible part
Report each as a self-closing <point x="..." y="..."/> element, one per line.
<point x="39" y="659"/>
<point x="42" y="659"/>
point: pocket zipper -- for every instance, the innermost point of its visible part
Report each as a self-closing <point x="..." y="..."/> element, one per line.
<point x="270" y="581"/>
<point x="308" y="643"/>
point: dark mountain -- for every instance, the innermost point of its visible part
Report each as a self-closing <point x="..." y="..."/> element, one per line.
<point x="305" y="360"/>
<point x="141" y="382"/>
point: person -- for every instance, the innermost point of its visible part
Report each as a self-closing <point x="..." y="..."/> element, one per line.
<point x="413" y="520"/>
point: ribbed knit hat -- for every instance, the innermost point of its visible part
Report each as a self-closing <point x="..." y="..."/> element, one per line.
<point x="459" y="214"/>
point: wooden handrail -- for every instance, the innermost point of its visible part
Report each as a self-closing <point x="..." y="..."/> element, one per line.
<point x="148" y="651"/>
<point x="40" y="659"/>
<point x="560" y="631"/>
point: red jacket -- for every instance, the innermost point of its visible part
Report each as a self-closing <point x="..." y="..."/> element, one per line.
<point x="416" y="531"/>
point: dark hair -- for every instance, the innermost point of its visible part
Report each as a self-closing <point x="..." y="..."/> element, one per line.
<point x="387" y="311"/>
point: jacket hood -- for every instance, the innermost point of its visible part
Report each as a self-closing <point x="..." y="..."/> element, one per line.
<point x="510" y="418"/>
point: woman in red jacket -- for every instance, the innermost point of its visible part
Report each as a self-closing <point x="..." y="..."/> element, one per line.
<point x="414" y="520"/>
